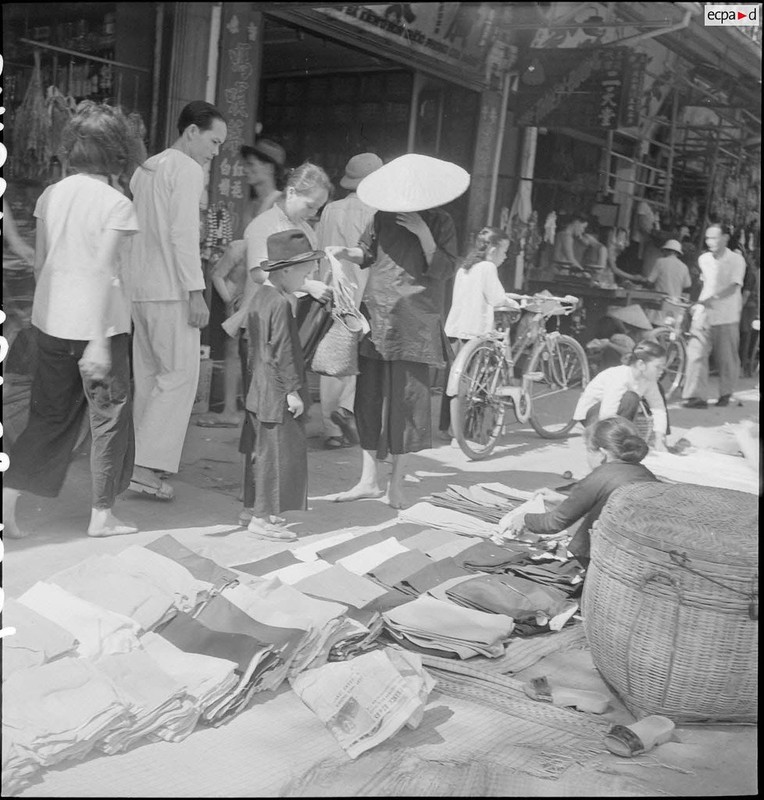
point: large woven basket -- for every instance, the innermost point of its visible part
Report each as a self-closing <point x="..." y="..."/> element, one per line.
<point x="670" y="602"/>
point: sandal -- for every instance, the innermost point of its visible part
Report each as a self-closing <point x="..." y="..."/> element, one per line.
<point x="276" y="533"/>
<point x="580" y="699"/>
<point x="334" y="443"/>
<point x="639" y="737"/>
<point x="162" y="492"/>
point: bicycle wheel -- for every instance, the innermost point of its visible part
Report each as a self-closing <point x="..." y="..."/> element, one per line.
<point x="564" y="371"/>
<point x="477" y="415"/>
<point x="676" y="361"/>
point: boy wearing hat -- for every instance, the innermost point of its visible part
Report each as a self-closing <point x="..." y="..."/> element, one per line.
<point x="670" y="276"/>
<point x="278" y="392"/>
<point x="343" y="223"/>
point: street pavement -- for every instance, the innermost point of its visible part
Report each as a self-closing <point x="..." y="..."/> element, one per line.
<point x="707" y="760"/>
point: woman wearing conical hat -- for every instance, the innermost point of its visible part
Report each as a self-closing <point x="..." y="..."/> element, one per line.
<point x="410" y="250"/>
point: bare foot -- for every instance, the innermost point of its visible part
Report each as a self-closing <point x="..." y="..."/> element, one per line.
<point x="394" y="498"/>
<point x="360" y="491"/>
<point x="104" y="523"/>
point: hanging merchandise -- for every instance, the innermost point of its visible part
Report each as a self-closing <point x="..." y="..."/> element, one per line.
<point x="219" y="232"/>
<point x="59" y="112"/>
<point x="30" y="132"/>
<point x="550" y="227"/>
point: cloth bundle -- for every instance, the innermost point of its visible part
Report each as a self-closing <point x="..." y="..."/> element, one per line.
<point x="99" y="632"/>
<point x="158" y="705"/>
<point x="473" y="500"/>
<point x="60" y="710"/>
<point x="37" y="639"/>
<point x="442" y="627"/>
<point x="366" y="701"/>
<point x="205" y="679"/>
<point x="448" y="519"/>
<point x="203" y="569"/>
<point x="341" y="586"/>
<point x="105" y="581"/>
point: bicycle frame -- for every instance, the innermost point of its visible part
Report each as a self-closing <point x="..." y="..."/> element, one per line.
<point x="519" y="395"/>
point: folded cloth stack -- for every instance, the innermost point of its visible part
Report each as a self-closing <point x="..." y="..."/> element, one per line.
<point x="188" y="592"/>
<point x="363" y="561"/>
<point x="487" y="556"/>
<point x="341" y="586"/>
<point x="393" y="570"/>
<point x="99" y="632"/>
<point x="106" y="582"/>
<point x="475" y="501"/>
<point x="159" y="707"/>
<point x="36" y="641"/>
<point x="446" y="518"/>
<point x="566" y="576"/>
<point x="442" y="627"/>
<point x="530" y="605"/>
<point x="203" y="569"/>
<point x="263" y="566"/>
<point x="271" y="602"/>
<point x="18" y="765"/>
<point x="249" y="654"/>
<point x="351" y="645"/>
<point x="365" y="701"/>
<point x="206" y="679"/>
<point x="61" y="710"/>
<point x="433" y="574"/>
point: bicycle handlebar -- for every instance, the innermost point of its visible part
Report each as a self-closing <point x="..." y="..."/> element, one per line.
<point x="571" y="301"/>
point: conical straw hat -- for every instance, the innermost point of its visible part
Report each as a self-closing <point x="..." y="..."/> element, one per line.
<point x="632" y="315"/>
<point x="413" y="183"/>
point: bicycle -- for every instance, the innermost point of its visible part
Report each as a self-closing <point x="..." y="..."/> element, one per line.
<point x="673" y="336"/>
<point x="483" y="383"/>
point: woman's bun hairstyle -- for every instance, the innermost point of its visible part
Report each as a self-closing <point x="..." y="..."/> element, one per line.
<point x="645" y="351"/>
<point x="619" y="437"/>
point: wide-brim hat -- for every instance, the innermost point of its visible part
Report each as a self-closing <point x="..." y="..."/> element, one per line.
<point x="265" y="150"/>
<point x="358" y="168"/>
<point x="287" y="248"/>
<point x="672" y="244"/>
<point x="633" y="315"/>
<point x="413" y="183"/>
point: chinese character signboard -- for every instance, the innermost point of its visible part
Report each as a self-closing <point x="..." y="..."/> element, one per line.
<point x="580" y="88"/>
<point x="239" y="77"/>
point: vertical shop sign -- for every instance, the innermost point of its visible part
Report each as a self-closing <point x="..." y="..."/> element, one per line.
<point x="237" y="95"/>
<point x="633" y="87"/>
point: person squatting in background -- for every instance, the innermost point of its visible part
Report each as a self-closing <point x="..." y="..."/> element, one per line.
<point x="81" y="315"/>
<point x="620" y="391"/>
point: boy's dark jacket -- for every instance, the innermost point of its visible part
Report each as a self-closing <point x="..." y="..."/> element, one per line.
<point x="275" y="356"/>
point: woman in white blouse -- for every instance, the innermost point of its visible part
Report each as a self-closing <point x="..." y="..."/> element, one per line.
<point x="619" y="391"/>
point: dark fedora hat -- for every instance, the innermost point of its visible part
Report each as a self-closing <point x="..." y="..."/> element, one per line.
<point x="287" y="248"/>
<point x="265" y="150"/>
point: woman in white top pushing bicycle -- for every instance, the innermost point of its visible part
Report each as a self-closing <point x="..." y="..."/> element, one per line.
<point x="620" y="391"/>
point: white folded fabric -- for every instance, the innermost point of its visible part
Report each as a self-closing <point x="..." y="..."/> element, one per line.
<point x="159" y="706"/>
<point x="99" y="631"/>
<point x="61" y="710"/>
<point x="436" y="517"/>
<point x="205" y="678"/>
<point x="107" y="582"/>
<point x="309" y="552"/>
<point x="166" y="573"/>
<point x="452" y="548"/>
<point x="296" y="572"/>
<point x="368" y="558"/>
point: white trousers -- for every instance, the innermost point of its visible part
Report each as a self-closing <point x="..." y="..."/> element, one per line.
<point x="340" y="392"/>
<point x="166" y="371"/>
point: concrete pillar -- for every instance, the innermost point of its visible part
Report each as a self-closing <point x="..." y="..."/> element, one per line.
<point x="485" y="149"/>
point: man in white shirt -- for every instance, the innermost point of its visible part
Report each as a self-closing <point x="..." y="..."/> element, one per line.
<point x="342" y="223"/>
<point x="715" y="321"/>
<point x="167" y="291"/>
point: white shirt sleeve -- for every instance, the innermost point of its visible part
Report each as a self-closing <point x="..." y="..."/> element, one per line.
<point x="186" y="192"/>
<point x="493" y="291"/>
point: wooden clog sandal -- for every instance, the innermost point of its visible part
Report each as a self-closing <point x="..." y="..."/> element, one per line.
<point x="580" y="699"/>
<point x="639" y="737"/>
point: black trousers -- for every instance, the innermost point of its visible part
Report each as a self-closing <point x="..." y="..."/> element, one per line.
<point x="627" y="408"/>
<point x="60" y="396"/>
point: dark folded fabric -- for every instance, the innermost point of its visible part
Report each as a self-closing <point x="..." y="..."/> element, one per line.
<point x="404" y="530"/>
<point x="399" y="638"/>
<point x="508" y="594"/>
<point x="337" y="551"/>
<point x="491" y="557"/>
<point x="191" y="636"/>
<point x="203" y="569"/>
<point x="277" y="561"/>
<point x="400" y="566"/>
<point x="392" y="599"/>
<point x="431" y="575"/>
<point x="220" y="614"/>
